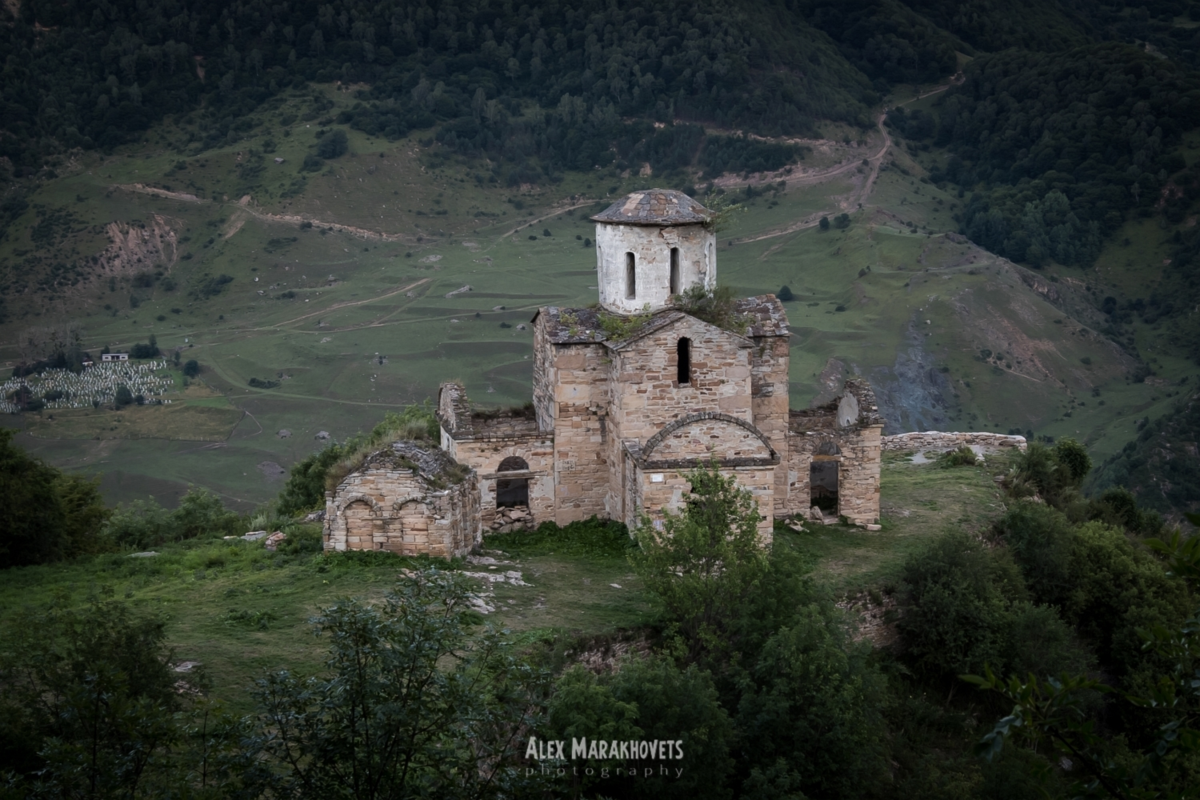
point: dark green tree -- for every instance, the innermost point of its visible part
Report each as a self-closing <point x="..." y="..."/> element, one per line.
<point x="410" y="705"/>
<point x="87" y="704"/>
<point x="34" y="513"/>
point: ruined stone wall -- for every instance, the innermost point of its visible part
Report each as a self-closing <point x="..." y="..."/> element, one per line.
<point x="393" y="510"/>
<point x="939" y="440"/>
<point x="769" y="364"/>
<point x="858" y="460"/>
<point x="651" y="246"/>
<point x="656" y="490"/>
<point x="581" y="399"/>
<point x="545" y="375"/>
<point x="484" y="454"/>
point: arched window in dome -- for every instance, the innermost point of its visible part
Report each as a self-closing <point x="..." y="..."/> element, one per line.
<point x="630" y="276"/>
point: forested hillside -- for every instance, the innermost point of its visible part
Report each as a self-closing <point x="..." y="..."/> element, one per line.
<point x="1057" y="148"/>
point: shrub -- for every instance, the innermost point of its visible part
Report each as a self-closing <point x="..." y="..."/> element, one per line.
<point x="1117" y="590"/>
<point x="648" y="699"/>
<point x="716" y="307"/>
<point x="87" y="704"/>
<point x="785" y="294"/>
<point x="955" y="602"/>
<point x="812" y="721"/>
<point x="191" y="368"/>
<point x="141" y="525"/>
<point x="1040" y="541"/>
<point x="443" y="706"/>
<point x="721" y="592"/>
<point x="33" y="511"/>
<point x="332" y="144"/>
<point x="1042" y="644"/>
<point x="962" y="456"/>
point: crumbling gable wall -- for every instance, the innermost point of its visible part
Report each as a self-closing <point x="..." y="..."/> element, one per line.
<point x="847" y="432"/>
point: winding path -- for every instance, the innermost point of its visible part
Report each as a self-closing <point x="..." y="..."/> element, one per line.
<point x="856" y="198"/>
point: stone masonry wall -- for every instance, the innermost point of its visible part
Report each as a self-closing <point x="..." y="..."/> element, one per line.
<point x="484" y="456"/>
<point x="545" y="376"/>
<point x="393" y="510"/>
<point x="769" y="364"/>
<point x="646" y="395"/>
<point x="707" y="437"/>
<point x="651" y="246"/>
<point x="656" y="490"/>
<point x="581" y="398"/>
<point x="858" y="470"/>
<point x="946" y="440"/>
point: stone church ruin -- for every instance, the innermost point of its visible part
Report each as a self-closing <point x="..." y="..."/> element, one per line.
<point x="630" y="396"/>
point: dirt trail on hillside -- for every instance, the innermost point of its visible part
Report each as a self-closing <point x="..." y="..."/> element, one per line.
<point x="855" y="198"/>
<point x="554" y="213"/>
<point x="142" y="188"/>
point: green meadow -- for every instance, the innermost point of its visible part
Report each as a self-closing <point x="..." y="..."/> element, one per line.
<point x="365" y="307"/>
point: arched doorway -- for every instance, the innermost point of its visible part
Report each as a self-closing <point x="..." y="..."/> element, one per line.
<point x="823" y="477"/>
<point x="512" y="492"/>
<point x="361" y="525"/>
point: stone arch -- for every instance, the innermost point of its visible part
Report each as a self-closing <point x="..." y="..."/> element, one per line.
<point x="356" y="498"/>
<point x="657" y="439"/>
<point x="363" y="522"/>
<point x="512" y="492"/>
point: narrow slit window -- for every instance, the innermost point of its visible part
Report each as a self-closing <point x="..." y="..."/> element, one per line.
<point x="684" y="352"/>
<point x="630" y="277"/>
<point x="674" y="286"/>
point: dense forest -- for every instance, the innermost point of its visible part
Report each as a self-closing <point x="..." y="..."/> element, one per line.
<point x="95" y="74"/>
<point x="1058" y="148"/>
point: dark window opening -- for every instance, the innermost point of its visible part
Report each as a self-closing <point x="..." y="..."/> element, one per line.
<point x="674" y="286"/>
<point x="512" y="492"/>
<point x="683" y="352"/>
<point x="630" y="277"/>
<point x="823" y="484"/>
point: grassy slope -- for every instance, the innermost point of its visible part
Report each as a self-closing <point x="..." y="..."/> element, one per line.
<point x="241" y="610"/>
<point x="921" y="315"/>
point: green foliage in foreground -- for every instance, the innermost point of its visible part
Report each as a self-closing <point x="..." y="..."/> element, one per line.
<point x="48" y="515"/>
<point x="412" y="705"/>
<point x="88" y="703"/>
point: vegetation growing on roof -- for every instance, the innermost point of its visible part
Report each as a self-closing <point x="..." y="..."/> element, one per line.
<point x="716" y="307"/>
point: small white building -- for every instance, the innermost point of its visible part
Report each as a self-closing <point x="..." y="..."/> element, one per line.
<point x="106" y="357"/>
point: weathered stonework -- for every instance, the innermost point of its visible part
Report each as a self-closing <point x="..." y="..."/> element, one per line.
<point x="631" y="396"/>
<point x="407" y="499"/>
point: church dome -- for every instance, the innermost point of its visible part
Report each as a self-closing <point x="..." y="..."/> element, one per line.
<point x="655" y="207"/>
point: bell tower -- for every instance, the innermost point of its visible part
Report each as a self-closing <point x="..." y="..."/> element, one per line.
<point x="651" y="245"/>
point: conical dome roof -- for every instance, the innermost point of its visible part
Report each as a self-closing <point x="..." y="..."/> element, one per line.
<point x="655" y="207"/>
